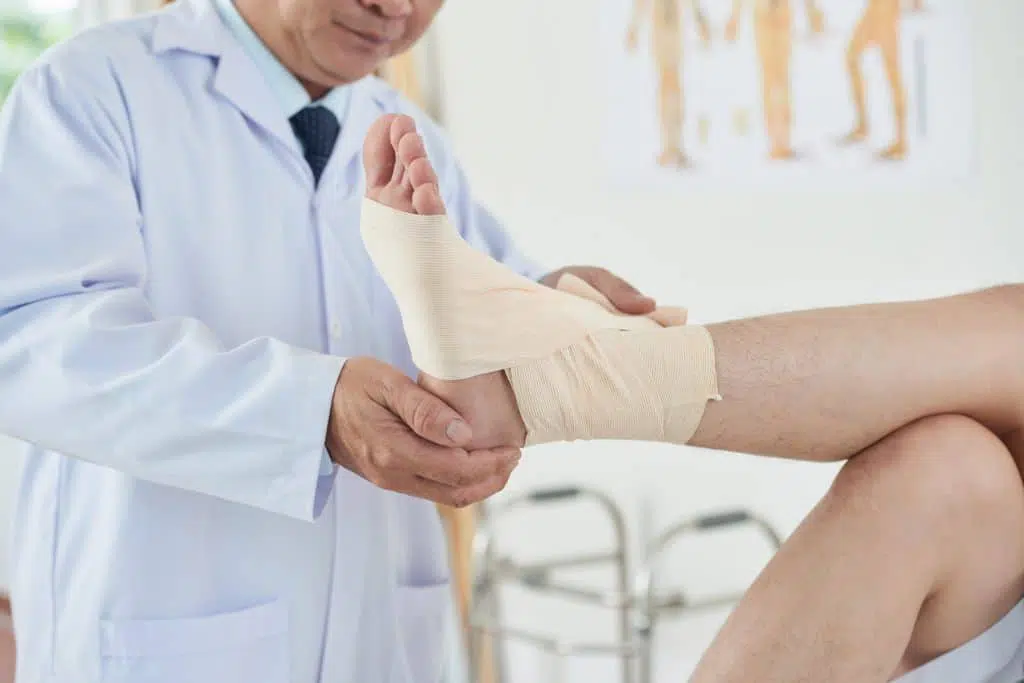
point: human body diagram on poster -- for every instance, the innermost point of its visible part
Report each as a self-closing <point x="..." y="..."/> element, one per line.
<point x="785" y="81"/>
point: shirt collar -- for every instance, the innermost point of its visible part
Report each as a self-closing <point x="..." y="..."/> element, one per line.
<point x="287" y="89"/>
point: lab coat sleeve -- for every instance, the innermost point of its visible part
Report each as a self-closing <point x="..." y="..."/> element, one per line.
<point x="85" y="368"/>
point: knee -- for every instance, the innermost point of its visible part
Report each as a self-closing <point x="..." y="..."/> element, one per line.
<point x="937" y="469"/>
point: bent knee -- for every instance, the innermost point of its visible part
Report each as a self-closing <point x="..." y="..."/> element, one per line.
<point x="941" y="466"/>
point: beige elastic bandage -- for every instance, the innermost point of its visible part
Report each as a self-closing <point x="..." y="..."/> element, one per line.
<point x="578" y="369"/>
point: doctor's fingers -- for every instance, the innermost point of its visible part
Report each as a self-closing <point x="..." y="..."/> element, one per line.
<point x="461" y="469"/>
<point x="426" y="414"/>
<point x="461" y="496"/>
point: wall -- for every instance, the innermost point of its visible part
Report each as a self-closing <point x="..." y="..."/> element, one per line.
<point x="523" y="100"/>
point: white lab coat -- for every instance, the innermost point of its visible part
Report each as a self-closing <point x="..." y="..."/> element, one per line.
<point x="175" y="305"/>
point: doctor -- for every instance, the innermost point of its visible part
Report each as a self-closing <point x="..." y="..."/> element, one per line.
<point x="230" y="472"/>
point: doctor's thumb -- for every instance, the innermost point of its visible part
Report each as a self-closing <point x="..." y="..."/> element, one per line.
<point x="430" y="417"/>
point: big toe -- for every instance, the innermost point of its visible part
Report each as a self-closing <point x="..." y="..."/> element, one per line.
<point x="379" y="156"/>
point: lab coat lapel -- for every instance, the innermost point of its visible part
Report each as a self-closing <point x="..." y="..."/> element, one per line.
<point x="194" y="26"/>
<point x="239" y="80"/>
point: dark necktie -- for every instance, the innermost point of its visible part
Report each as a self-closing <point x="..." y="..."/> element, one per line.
<point x="317" y="129"/>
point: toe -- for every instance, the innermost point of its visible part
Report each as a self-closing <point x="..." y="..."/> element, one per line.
<point x="410" y="149"/>
<point x="420" y="172"/>
<point x="379" y="154"/>
<point x="401" y="126"/>
<point x="426" y="199"/>
<point x="418" y="175"/>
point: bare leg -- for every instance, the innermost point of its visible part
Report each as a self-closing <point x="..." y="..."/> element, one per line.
<point x="862" y="38"/>
<point x="907" y="521"/>
<point x="773" y="34"/>
<point x="889" y="42"/>
<point x="917" y="548"/>
<point x="827" y="384"/>
<point x="781" y="106"/>
<point x="764" y="49"/>
<point x="668" y="53"/>
<point x="824" y="384"/>
<point x="813" y="385"/>
<point x="670" y="104"/>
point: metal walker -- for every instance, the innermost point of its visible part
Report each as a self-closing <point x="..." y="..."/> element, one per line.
<point x="491" y="570"/>
<point x="652" y="607"/>
<point x="634" y="599"/>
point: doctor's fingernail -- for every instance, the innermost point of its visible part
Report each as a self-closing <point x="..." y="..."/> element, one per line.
<point x="458" y="431"/>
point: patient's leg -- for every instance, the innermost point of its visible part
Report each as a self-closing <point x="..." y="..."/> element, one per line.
<point x="824" y="384"/>
<point x="815" y="385"/>
<point x="467" y="316"/>
<point x="917" y="548"/>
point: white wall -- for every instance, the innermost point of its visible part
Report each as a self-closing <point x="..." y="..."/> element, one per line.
<point x="523" y="102"/>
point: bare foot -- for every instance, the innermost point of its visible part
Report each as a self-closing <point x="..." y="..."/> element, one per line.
<point x="783" y="154"/>
<point x="399" y="175"/>
<point x="674" y="158"/>
<point x="858" y="134"/>
<point x="895" y="152"/>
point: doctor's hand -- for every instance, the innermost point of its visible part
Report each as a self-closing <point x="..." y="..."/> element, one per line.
<point x="400" y="437"/>
<point x="623" y="296"/>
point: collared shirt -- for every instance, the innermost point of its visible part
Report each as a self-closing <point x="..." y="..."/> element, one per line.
<point x="287" y="89"/>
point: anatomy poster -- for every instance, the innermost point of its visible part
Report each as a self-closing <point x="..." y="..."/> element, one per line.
<point x="800" y="91"/>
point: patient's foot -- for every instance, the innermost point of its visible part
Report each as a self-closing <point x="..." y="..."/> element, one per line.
<point x="523" y="363"/>
<point x="399" y="175"/>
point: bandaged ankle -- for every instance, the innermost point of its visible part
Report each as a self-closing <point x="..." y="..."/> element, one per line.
<point x="466" y="315"/>
<point x="648" y="385"/>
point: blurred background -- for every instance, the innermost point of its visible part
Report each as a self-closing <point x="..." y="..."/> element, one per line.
<point x="522" y="88"/>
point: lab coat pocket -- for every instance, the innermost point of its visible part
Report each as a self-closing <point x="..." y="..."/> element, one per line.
<point x="423" y="613"/>
<point x="234" y="647"/>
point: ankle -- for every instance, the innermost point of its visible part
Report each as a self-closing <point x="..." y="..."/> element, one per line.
<point x="640" y="385"/>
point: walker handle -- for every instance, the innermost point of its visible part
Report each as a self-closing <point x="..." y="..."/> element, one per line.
<point x="723" y="519"/>
<point x="555" y="495"/>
